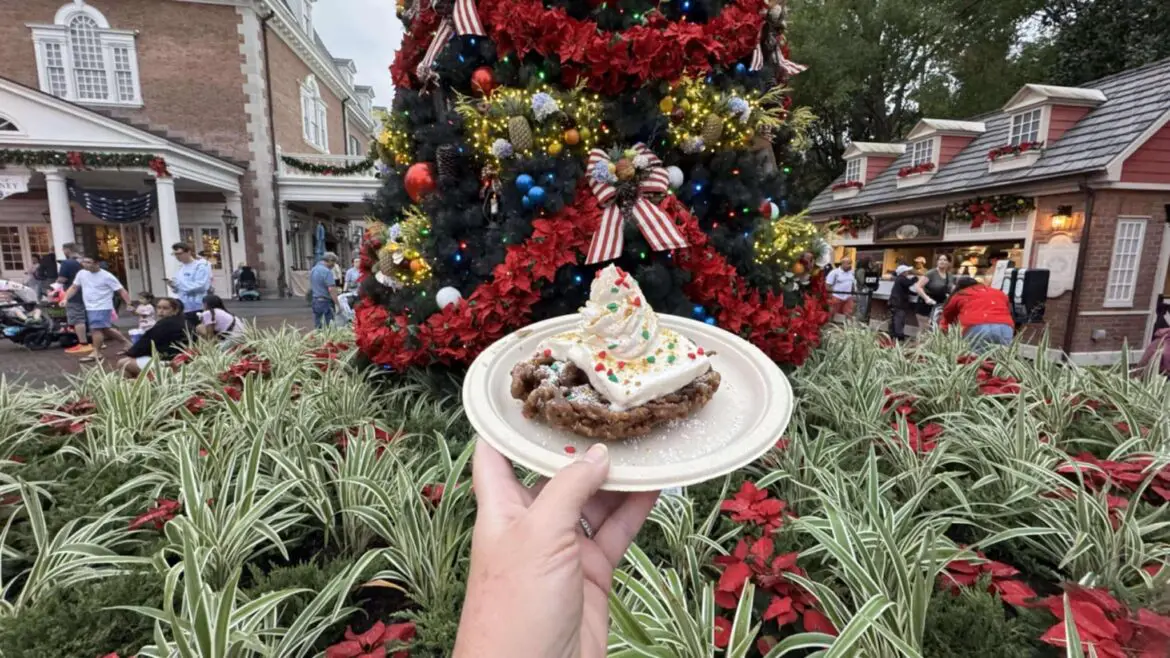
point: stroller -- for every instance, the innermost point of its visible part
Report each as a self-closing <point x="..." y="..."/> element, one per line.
<point x="20" y="324"/>
<point x="246" y="288"/>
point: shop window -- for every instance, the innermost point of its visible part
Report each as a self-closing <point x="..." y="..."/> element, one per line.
<point x="39" y="241"/>
<point x="11" y="254"/>
<point x="211" y="247"/>
<point x="81" y="58"/>
<point x="1123" y="267"/>
<point x="921" y="152"/>
<point x="853" y="170"/>
<point x="1026" y="127"/>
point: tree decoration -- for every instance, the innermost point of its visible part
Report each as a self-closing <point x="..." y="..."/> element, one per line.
<point x="400" y="249"/>
<point x="80" y="160"/>
<point x="981" y="210"/>
<point x="850" y="224"/>
<point x="494" y="134"/>
<point x="782" y="243"/>
<point x="419" y="180"/>
<point x="722" y="120"/>
<point x="464" y="20"/>
<point x="483" y="81"/>
<point x="1013" y="149"/>
<point x="629" y="198"/>
<point x="393" y="145"/>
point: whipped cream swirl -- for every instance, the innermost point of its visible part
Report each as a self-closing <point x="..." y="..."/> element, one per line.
<point x="617" y="316"/>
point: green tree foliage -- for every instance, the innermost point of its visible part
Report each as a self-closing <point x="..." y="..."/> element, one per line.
<point x="1096" y="38"/>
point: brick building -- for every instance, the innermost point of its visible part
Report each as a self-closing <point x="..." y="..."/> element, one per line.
<point x="1072" y="180"/>
<point x="126" y="125"/>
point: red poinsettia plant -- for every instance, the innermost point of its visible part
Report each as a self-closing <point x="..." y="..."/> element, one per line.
<point x="848" y="185"/>
<point x="916" y="169"/>
<point x="324" y="356"/>
<point x="342" y="437"/>
<point x="1100" y="474"/>
<point x="754" y="560"/>
<point x="373" y="642"/>
<point x="164" y="510"/>
<point x="967" y="573"/>
<point x="992" y="384"/>
<point x="753" y="505"/>
<point x="1013" y="149"/>
<point x="69" y="418"/>
<point x="249" y="365"/>
<point x="1105" y="624"/>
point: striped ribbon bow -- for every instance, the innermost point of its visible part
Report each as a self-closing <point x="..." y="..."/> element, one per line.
<point x="790" y="67"/>
<point x="654" y="224"/>
<point x="463" y="21"/>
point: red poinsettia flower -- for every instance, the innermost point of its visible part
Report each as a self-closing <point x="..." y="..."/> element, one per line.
<point x="112" y="654"/>
<point x="752" y="505"/>
<point x="433" y="493"/>
<point x="922" y="438"/>
<point x="69" y="418"/>
<point x="991" y="384"/>
<point x="195" y="404"/>
<point x="233" y="392"/>
<point x="249" y="365"/>
<point x="782" y="443"/>
<point x="817" y="622"/>
<point x="965" y="573"/>
<point x="164" y="510"/>
<point x="900" y="403"/>
<point x="748" y="557"/>
<point x="722" y="632"/>
<point x="372" y="643"/>
<point x="1103" y="623"/>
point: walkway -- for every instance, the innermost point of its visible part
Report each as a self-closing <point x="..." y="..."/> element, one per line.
<point x="52" y="367"/>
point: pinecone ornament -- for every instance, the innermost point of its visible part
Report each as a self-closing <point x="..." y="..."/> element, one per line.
<point x="520" y="133"/>
<point x="386" y="262"/>
<point x="712" y="129"/>
<point x="447" y="161"/>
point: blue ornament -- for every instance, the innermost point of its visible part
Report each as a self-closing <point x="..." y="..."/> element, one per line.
<point x="536" y="193"/>
<point x="524" y="182"/>
<point x="740" y="68"/>
<point x="698" y="311"/>
<point x="577" y="279"/>
<point x="527" y="201"/>
<point x="710" y="321"/>
<point x="550" y="178"/>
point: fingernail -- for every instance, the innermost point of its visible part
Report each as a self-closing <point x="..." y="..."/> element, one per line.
<point x="596" y="453"/>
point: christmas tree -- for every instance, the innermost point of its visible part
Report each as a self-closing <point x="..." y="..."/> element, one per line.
<point x="532" y="142"/>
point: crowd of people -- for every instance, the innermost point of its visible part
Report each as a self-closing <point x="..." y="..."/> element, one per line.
<point x="91" y="297"/>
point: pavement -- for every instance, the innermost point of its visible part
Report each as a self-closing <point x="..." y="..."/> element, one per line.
<point x="53" y="366"/>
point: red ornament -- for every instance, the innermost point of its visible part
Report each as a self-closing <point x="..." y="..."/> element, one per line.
<point x="419" y="180"/>
<point x="483" y="81"/>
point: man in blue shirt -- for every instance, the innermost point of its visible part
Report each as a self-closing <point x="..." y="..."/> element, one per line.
<point x="349" y="290"/>
<point x="323" y="290"/>
<point x="75" y="313"/>
<point x="192" y="281"/>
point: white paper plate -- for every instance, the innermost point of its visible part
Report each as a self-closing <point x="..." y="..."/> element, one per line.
<point x="746" y="416"/>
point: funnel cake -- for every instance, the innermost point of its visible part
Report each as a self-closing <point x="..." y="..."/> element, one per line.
<point x="618" y="375"/>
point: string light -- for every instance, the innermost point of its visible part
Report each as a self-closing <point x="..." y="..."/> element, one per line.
<point x="782" y="242"/>
<point x="484" y="128"/>
<point x="699" y="100"/>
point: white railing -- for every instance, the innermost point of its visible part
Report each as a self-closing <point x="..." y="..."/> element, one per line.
<point x="335" y="162"/>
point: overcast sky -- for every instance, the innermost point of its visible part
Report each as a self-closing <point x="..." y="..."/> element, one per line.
<point x="366" y="31"/>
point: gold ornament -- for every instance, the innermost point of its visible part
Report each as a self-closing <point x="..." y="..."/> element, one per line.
<point x="585" y="132"/>
<point x="625" y="169"/>
<point x="712" y="129"/>
<point x="666" y="104"/>
<point x="555" y="148"/>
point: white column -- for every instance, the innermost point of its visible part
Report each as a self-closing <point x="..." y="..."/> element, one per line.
<point x="168" y="223"/>
<point x="236" y="250"/>
<point x="60" y="214"/>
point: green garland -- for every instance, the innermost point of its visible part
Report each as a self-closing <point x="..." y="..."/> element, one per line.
<point x="328" y="170"/>
<point x="980" y="210"/>
<point x="850" y="224"/>
<point x="81" y="160"/>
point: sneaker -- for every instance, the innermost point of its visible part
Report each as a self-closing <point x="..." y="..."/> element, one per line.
<point x="79" y="349"/>
<point x="88" y="359"/>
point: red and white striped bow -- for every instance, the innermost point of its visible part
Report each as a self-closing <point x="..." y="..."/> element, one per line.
<point x="463" y="21"/>
<point x="789" y="67"/>
<point x="655" y="224"/>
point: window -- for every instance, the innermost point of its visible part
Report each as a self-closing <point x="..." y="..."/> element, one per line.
<point x="1127" y="256"/>
<point x="39" y="242"/>
<point x="307" y="16"/>
<point x="80" y="58"/>
<point x="853" y="170"/>
<point x="921" y="152"/>
<point x="313" y="115"/>
<point x="1026" y="127"/>
<point x="355" y="146"/>
<point x="11" y="258"/>
<point x="7" y="126"/>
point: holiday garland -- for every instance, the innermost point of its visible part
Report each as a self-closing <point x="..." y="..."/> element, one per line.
<point x="329" y="170"/>
<point x="850" y="224"/>
<point x="991" y="209"/>
<point x="460" y="331"/>
<point x="848" y="185"/>
<point x="81" y="160"/>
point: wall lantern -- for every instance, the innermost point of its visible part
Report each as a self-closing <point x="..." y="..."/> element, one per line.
<point x="1063" y="218"/>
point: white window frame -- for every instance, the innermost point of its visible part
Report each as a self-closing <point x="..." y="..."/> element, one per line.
<point x="1125" y="261"/>
<point x="1033" y="120"/>
<point x="922" y="151"/>
<point x="314" y="115"/>
<point x="853" y="170"/>
<point x="110" y="40"/>
<point x="307" y="16"/>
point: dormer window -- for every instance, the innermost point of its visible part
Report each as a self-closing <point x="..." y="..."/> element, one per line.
<point x="1026" y="127"/>
<point x="81" y="58"/>
<point x="307" y="16"/>
<point x="853" y="171"/>
<point x="921" y="152"/>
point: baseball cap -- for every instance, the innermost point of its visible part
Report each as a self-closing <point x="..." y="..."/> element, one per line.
<point x="902" y="269"/>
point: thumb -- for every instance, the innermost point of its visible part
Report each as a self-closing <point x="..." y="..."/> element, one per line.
<point x="559" y="504"/>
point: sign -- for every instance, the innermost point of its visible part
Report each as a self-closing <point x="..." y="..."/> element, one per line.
<point x="922" y="228"/>
<point x="10" y="184"/>
<point x="1001" y="268"/>
<point x="1059" y="257"/>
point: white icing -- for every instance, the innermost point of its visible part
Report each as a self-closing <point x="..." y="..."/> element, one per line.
<point x="640" y="361"/>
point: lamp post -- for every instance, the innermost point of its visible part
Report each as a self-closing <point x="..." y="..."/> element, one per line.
<point x="230" y="224"/>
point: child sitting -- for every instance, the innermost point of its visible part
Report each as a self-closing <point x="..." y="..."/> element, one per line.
<point x="11" y="307"/>
<point x="144" y="309"/>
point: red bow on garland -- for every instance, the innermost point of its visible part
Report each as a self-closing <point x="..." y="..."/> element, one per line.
<point x="465" y="21"/>
<point x="655" y="224"/>
<point x="982" y="212"/>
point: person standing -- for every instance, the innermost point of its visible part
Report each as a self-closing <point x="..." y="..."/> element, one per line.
<point x="192" y="281"/>
<point x="75" y="308"/>
<point x="98" y="287"/>
<point x="843" y="284"/>
<point x="983" y="312"/>
<point x="900" y="300"/>
<point x="933" y="290"/>
<point x="323" y="290"/>
<point x="349" y="290"/>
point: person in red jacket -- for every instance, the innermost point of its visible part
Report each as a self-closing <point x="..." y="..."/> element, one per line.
<point x="1161" y="342"/>
<point x="983" y="312"/>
